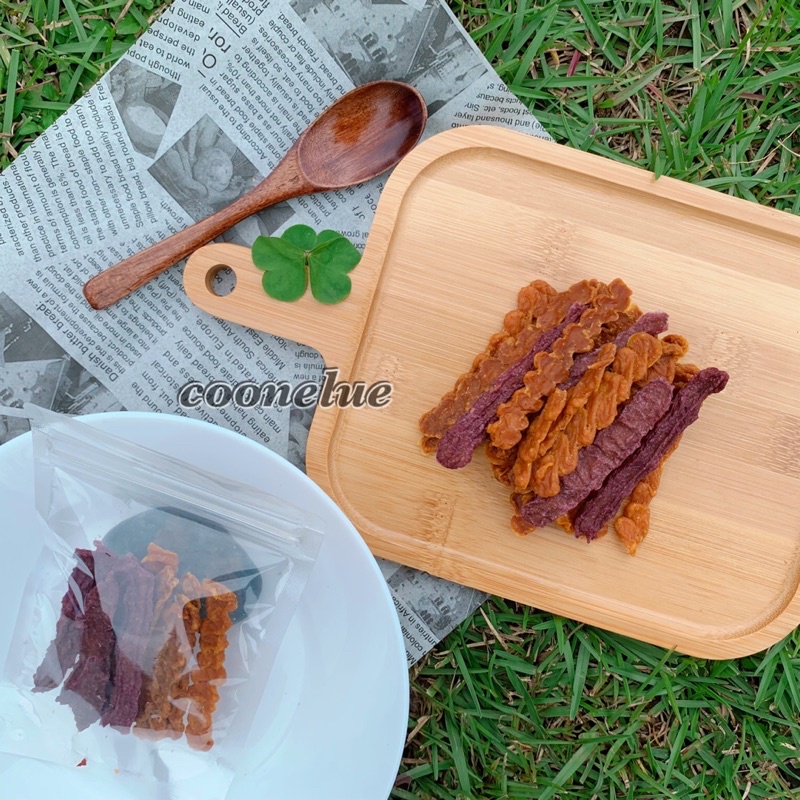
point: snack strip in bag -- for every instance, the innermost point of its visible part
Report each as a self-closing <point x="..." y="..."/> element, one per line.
<point x="155" y="611"/>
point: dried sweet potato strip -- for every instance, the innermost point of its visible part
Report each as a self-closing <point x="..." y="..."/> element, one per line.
<point x="132" y="624"/>
<point x="163" y="703"/>
<point x="153" y="720"/>
<point x="180" y="696"/>
<point x="602" y="505"/>
<point x="163" y="564"/>
<point x="203" y="694"/>
<point x="504" y="348"/>
<point x="86" y="689"/>
<point x="611" y="447"/>
<point x="487" y="367"/>
<point x="65" y="648"/>
<point x="501" y="462"/>
<point x="523" y="528"/>
<point x="460" y="440"/>
<point x="553" y="367"/>
<point x="673" y="349"/>
<point x="528" y="448"/>
<point x="684" y="373"/>
<point x="531" y="302"/>
<point x="654" y="323"/>
<point x="90" y="684"/>
<point x="599" y="410"/>
<point x="545" y="426"/>
<point x="633" y="523"/>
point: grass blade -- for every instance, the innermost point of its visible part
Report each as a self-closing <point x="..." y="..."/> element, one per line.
<point x="11" y="92"/>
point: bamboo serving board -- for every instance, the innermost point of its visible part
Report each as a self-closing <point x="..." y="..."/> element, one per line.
<point x="465" y="220"/>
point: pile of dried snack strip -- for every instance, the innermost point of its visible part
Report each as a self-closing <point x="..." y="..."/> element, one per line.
<point x="579" y="401"/>
<point x="138" y="647"/>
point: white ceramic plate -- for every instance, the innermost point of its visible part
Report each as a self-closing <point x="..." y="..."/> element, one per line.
<point x="333" y="720"/>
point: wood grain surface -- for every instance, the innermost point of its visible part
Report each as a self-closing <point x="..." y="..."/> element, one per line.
<point x="468" y="218"/>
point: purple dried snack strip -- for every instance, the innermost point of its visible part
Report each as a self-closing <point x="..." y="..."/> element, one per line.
<point x="601" y="505"/>
<point x="610" y="448"/>
<point x="65" y="647"/>
<point x="460" y="440"/>
<point x="132" y="624"/>
<point x="88" y="686"/>
<point x="81" y="582"/>
<point x="86" y="689"/>
<point x="653" y="322"/>
<point x="116" y="593"/>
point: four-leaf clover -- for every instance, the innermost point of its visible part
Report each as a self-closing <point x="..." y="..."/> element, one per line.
<point x="299" y="257"/>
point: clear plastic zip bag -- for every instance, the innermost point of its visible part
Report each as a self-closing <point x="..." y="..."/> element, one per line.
<point x="153" y="616"/>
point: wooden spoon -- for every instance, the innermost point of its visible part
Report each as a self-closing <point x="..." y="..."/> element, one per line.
<point x="364" y="133"/>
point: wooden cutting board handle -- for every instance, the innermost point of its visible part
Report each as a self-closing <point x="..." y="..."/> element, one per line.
<point x="334" y="330"/>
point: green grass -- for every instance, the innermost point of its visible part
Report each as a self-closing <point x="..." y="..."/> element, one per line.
<point x="51" y="52"/>
<point x="517" y="703"/>
<point x="702" y="91"/>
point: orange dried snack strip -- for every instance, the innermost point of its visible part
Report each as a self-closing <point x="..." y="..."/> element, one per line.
<point x="546" y="419"/>
<point x="550" y="310"/>
<point x="684" y="373"/>
<point x="630" y="365"/>
<point x="436" y="422"/>
<point x="621" y="323"/>
<point x="633" y="523"/>
<point x="552" y="367"/>
<point x="163" y="704"/>
<point x="546" y="426"/>
<point x="531" y="301"/>
<point x="157" y="557"/>
<point x="153" y="720"/>
<point x="582" y="292"/>
<point x="505" y="347"/>
<point x="490" y="366"/>
<point x="190" y="615"/>
<point x="203" y="694"/>
<point x="519" y="525"/>
<point x="164" y="566"/>
<point x="540" y="436"/>
<point x="581" y="394"/>
<point x="673" y="348"/>
<point x="501" y="462"/>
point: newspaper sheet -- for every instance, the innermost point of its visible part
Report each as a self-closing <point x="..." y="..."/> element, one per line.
<point x="196" y="113"/>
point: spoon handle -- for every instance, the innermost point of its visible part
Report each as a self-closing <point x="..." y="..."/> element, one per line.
<point x="114" y="283"/>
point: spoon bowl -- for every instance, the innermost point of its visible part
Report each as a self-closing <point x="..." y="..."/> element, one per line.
<point x="362" y="135"/>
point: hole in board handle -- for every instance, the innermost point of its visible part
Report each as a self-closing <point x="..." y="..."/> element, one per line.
<point x="221" y="280"/>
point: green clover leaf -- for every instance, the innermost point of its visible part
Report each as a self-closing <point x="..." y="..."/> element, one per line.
<point x="299" y="257"/>
<point x="301" y="236"/>
<point x="284" y="264"/>
<point x="328" y="265"/>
